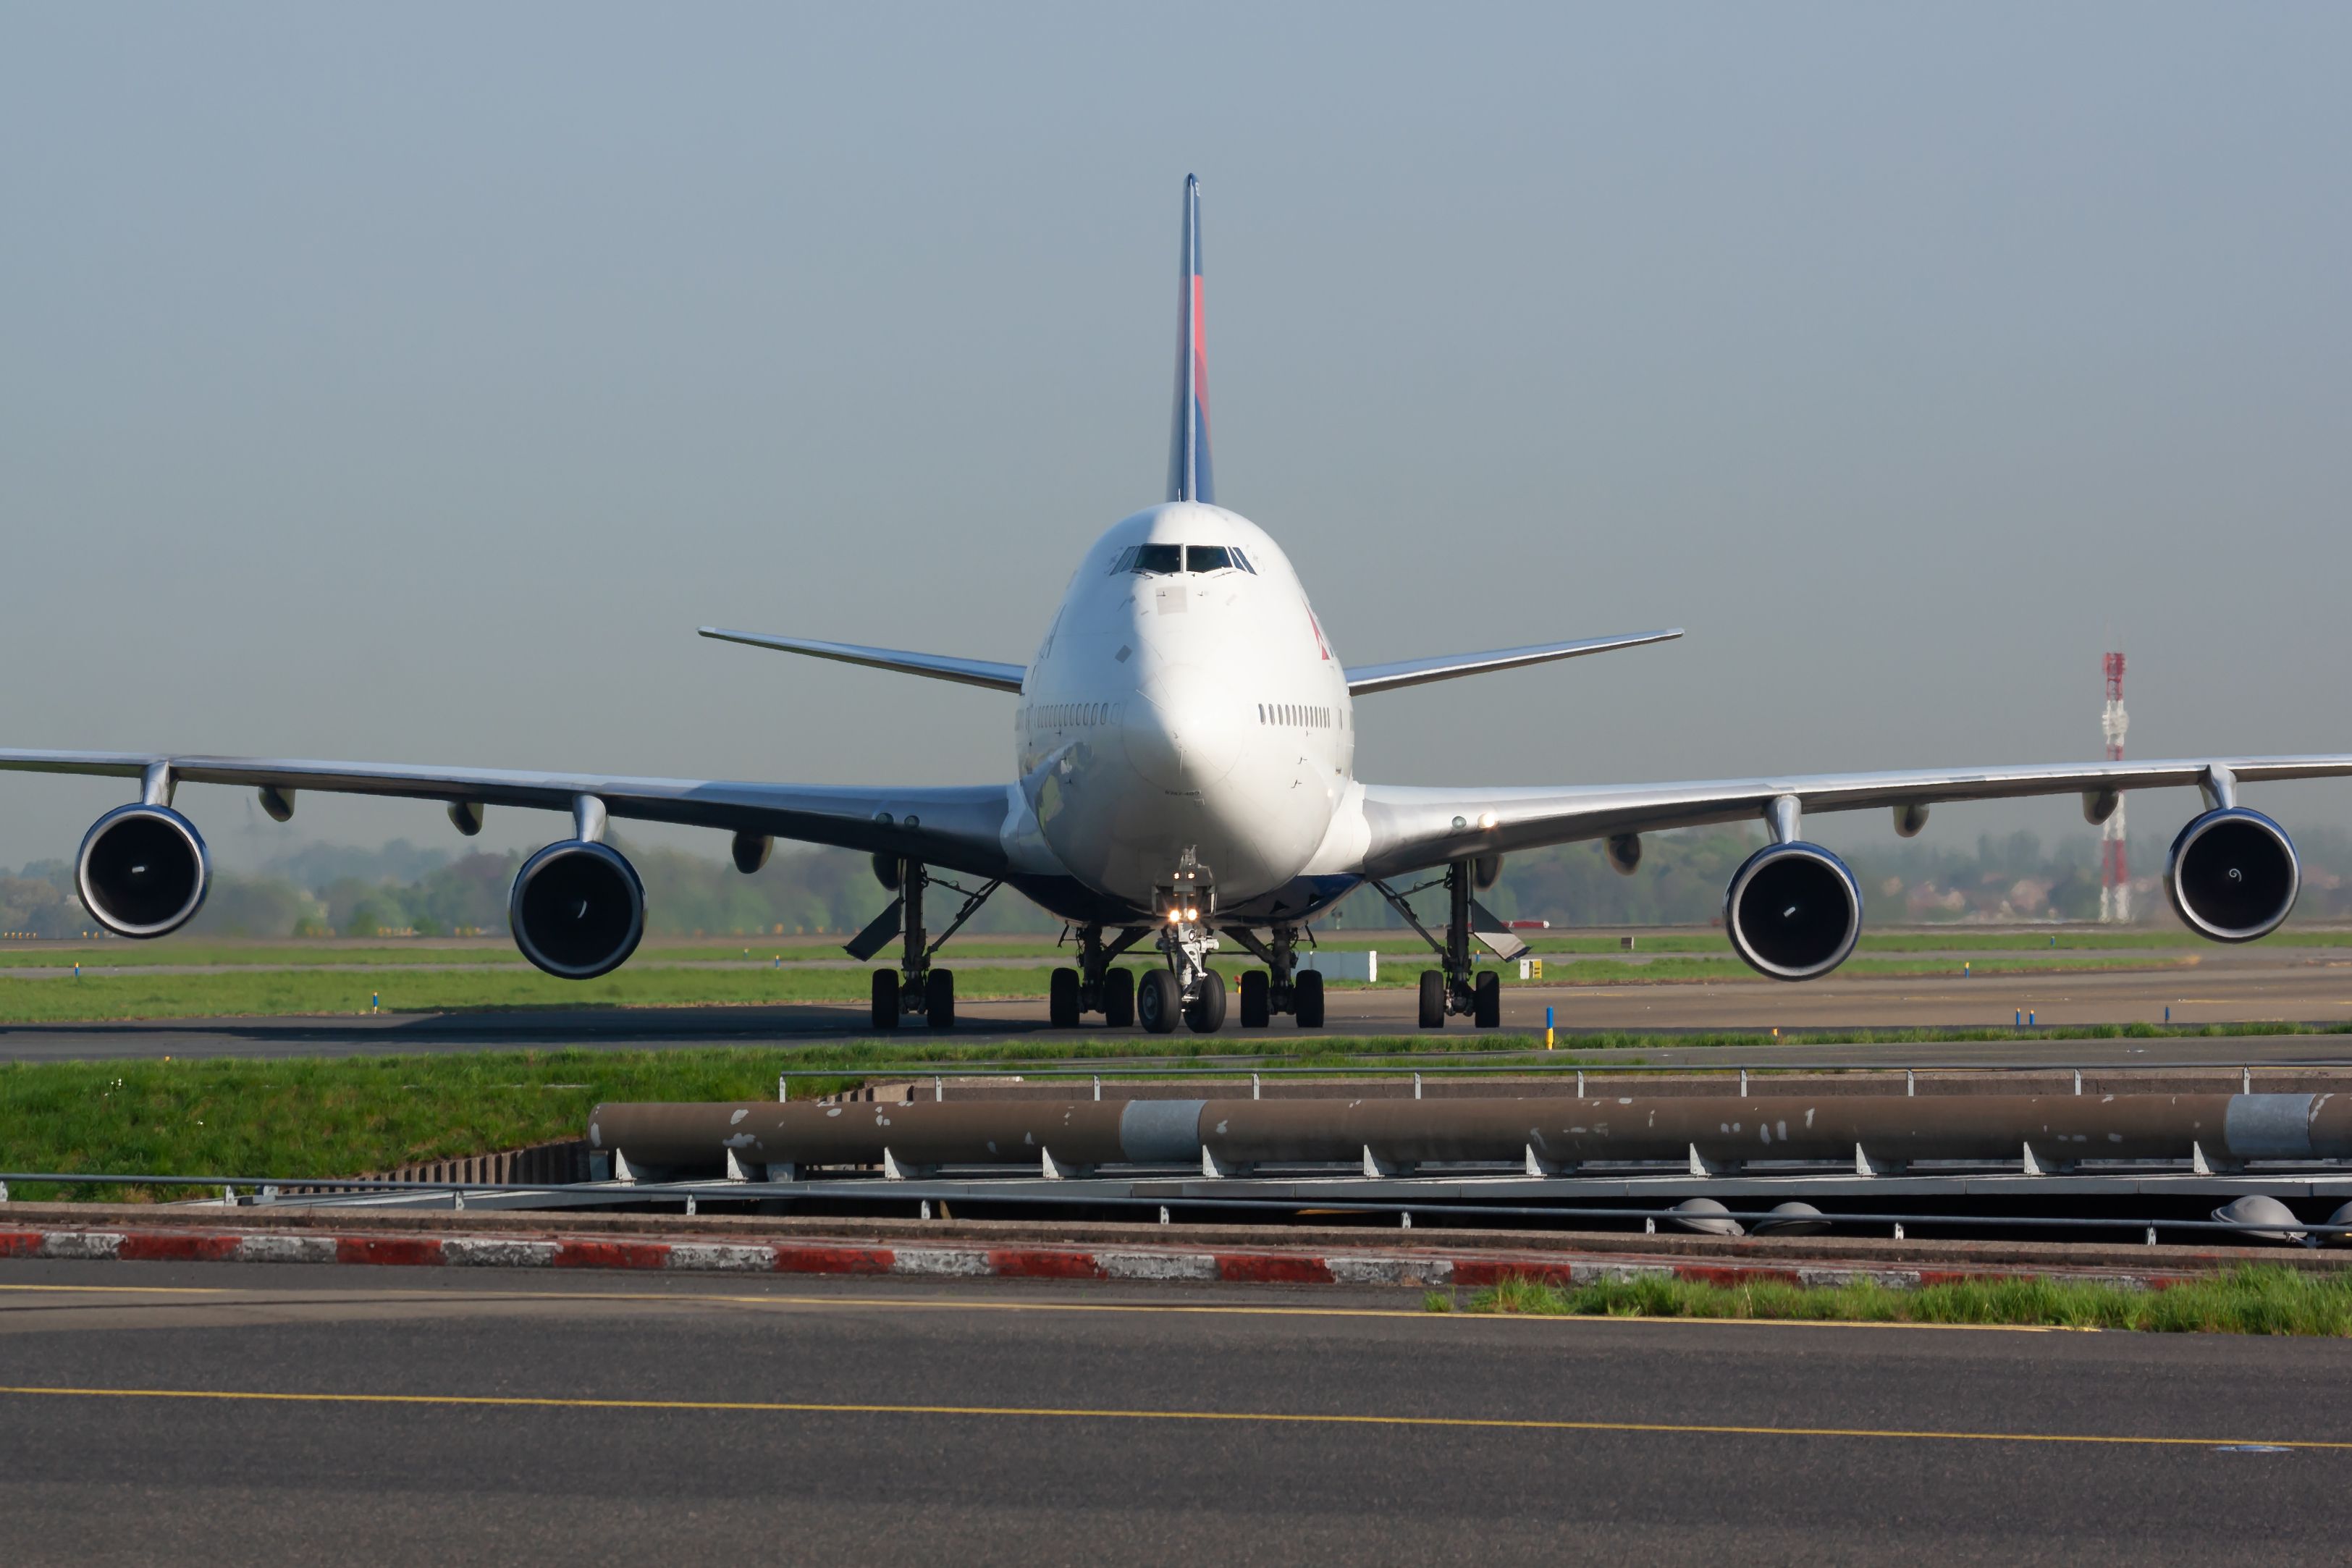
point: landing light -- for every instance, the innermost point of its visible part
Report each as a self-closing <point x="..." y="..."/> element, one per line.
<point x="1191" y="914"/>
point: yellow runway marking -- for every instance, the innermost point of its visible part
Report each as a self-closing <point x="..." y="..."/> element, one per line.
<point x="958" y="1304"/>
<point x="1077" y="1412"/>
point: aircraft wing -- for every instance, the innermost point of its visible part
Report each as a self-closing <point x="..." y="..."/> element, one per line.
<point x="1413" y="827"/>
<point x="1364" y="678"/>
<point x="936" y="666"/>
<point x="958" y="828"/>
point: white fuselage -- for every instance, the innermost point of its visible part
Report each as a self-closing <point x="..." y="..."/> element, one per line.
<point x="1181" y="718"/>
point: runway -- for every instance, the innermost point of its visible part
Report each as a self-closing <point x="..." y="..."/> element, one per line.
<point x="2302" y="986"/>
<point x="263" y="1414"/>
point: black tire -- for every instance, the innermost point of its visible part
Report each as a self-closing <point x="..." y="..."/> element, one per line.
<point x="1486" y="1000"/>
<point x="1205" y="1013"/>
<point x="939" y="999"/>
<point x="1062" y="999"/>
<point x="1157" y="1003"/>
<point x="1433" y="999"/>
<point x="1257" y="1005"/>
<point x="1307" y="998"/>
<point x="885" y="999"/>
<point x="1119" y="999"/>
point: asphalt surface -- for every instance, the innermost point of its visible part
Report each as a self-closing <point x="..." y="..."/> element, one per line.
<point x="260" y="1415"/>
<point x="2304" y="985"/>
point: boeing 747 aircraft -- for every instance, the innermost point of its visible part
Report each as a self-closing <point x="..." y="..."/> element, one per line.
<point x="1184" y="749"/>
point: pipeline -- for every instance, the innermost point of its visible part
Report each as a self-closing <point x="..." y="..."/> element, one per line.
<point x="1548" y="1134"/>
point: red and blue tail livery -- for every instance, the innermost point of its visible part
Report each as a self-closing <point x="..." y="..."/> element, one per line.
<point x="1189" y="474"/>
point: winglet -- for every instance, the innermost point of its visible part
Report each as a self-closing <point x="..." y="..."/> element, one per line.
<point x="1189" y="476"/>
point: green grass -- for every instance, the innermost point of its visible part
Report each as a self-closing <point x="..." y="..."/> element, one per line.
<point x="99" y="995"/>
<point x="100" y="992"/>
<point x="2252" y="1298"/>
<point x="329" y="1117"/>
<point x="1401" y="947"/>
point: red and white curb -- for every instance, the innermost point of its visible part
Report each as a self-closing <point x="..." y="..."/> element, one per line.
<point x="1269" y="1265"/>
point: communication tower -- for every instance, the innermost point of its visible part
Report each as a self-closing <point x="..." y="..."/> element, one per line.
<point x="2115" y="866"/>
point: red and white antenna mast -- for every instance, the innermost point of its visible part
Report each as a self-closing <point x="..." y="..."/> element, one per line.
<point x="2115" y="866"/>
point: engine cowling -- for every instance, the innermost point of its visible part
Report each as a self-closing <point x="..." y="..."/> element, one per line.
<point x="578" y="910"/>
<point x="2232" y="875"/>
<point x="1793" y="911"/>
<point x="143" y="870"/>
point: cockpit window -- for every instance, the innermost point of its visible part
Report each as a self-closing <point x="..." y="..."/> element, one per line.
<point x="1241" y="560"/>
<point x="1158" y="558"/>
<point x="1207" y="558"/>
<point x="1126" y="558"/>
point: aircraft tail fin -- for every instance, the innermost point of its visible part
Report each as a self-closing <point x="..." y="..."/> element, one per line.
<point x="1189" y="476"/>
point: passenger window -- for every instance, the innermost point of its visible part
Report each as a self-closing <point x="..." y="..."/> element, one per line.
<point x="1207" y="558"/>
<point x="1158" y="558"/>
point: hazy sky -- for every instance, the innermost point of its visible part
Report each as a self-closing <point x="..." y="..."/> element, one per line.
<point x="409" y="384"/>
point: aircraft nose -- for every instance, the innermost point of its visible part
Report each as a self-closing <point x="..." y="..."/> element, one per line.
<point x="1183" y="731"/>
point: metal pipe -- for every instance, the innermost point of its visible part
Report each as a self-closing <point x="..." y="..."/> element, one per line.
<point x="1716" y="1130"/>
<point x="1077" y="1132"/>
<point x="1535" y="1064"/>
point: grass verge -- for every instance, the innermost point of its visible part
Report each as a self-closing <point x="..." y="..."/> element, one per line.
<point x="338" y="1116"/>
<point x="100" y="992"/>
<point x="2252" y="1298"/>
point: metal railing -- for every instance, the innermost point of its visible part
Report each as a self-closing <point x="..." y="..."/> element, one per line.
<point x="925" y="1193"/>
<point x="1436" y="1065"/>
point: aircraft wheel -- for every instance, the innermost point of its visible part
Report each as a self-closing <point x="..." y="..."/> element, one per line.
<point x="885" y="999"/>
<point x="1486" y="1001"/>
<point x="1206" y="1012"/>
<point x="1062" y="999"/>
<point x="939" y="999"/>
<point x="1119" y="999"/>
<point x="1158" y="1002"/>
<point x="1433" y="999"/>
<point x="1307" y="998"/>
<point x="1257" y="1010"/>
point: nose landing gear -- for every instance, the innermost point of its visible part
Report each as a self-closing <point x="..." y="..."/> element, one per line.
<point x="1188" y="987"/>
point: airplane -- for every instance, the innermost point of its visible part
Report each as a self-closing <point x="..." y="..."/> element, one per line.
<point x="1184" y="743"/>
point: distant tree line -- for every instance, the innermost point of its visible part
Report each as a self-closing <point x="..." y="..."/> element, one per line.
<point x="400" y="888"/>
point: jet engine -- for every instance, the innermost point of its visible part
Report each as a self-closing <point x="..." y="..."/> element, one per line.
<point x="2232" y="875"/>
<point x="578" y="910"/>
<point x="143" y="870"/>
<point x="1793" y="911"/>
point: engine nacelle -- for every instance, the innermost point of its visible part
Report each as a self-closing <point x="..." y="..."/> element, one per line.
<point x="578" y="910"/>
<point x="1793" y="911"/>
<point x="143" y="870"/>
<point x="2232" y="875"/>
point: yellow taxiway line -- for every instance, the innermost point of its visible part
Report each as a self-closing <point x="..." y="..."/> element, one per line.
<point x="1077" y="1412"/>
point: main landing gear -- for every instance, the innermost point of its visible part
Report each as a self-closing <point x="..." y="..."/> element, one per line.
<point x="1459" y="986"/>
<point x="914" y="987"/>
<point x="1283" y="988"/>
<point x="1187" y="990"/>
<point x="1094" y="986"/>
